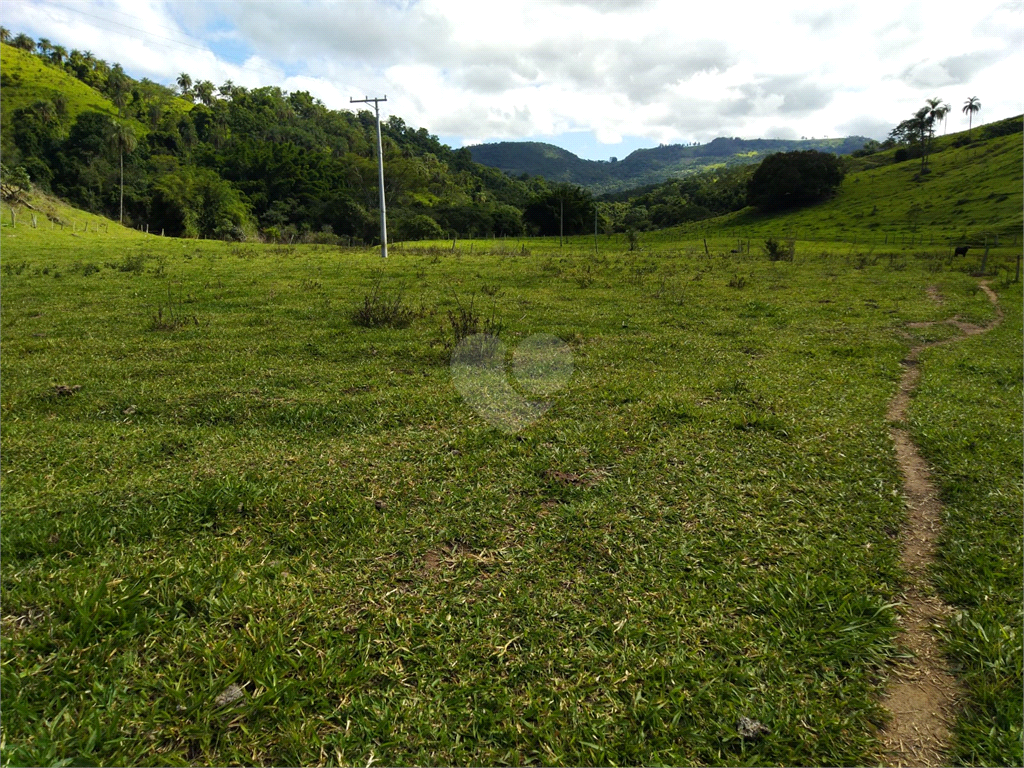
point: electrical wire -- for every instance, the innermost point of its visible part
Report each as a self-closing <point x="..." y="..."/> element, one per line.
<point x="173" y="42"/>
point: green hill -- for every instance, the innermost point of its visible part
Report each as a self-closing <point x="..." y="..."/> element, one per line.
<point x="241" y="163"/>
<point x="971" y="191"/>
<point x="644" y="166"/>
<point x="26" y="79"/>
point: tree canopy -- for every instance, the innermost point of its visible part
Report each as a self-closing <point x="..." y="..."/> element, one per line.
<point x="794" y="179"/>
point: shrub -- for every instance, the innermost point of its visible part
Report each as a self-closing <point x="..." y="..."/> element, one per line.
<point x="379" y="310"/>
<point x="418" y="227"/>
<point x="901" y="155"/>
<point x="792" y="179"/>
<point x="777" y="251"/>
<point x="465" y="321"/>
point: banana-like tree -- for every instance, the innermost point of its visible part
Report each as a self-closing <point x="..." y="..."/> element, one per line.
<point x="121" y="139"/>
<point x="971" y="106"/>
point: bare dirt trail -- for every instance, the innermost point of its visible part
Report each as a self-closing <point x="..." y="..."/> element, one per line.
<point x="922" y="695"/>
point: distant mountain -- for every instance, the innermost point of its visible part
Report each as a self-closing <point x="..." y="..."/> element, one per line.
<point x="644" y="166"/>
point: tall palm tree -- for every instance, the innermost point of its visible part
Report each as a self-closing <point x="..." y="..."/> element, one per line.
<point x="121" y="139"/>
<point x="935" y="112"/>
<point x="58" y="54"/>
<point x="25" y="42"/>
<point x="184" y="83"/>
<point x="5" y="35"/>
<point x="45" y="46"/>
<point x="923" y="125"/>
<point x="204" y="90"/>
<point x="946" y="109"/>
<point x="971" y="106"/>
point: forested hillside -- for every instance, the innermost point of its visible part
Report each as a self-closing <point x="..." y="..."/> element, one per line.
<point x="232" y="162"/>
<point x="644" y="166"/>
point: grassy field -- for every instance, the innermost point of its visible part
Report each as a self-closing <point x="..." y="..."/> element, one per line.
<point x="971" y="193"/>
<point x="212" y="477"/>
<point x="967" y="419"/>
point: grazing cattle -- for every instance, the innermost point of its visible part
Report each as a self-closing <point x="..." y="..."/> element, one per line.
<point x="961" y="251"/>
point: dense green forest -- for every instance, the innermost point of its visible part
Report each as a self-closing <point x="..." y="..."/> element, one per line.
<point x="238" y="163"/>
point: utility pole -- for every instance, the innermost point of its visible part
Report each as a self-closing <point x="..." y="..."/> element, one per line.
<point x="561" y="219"/>
<point x="380" y="169"/>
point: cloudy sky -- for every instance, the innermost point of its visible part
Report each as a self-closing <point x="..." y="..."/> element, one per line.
<point x="598" y="78"/>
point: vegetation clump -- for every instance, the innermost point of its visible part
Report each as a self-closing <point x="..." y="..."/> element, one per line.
<point x="380" y="310"/>
<point x="794" y="179"/>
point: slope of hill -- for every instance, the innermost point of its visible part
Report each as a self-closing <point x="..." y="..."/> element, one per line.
<point x="644" y="166"/>
<point x="971" y="192"/>
<point x="26" y="79"/>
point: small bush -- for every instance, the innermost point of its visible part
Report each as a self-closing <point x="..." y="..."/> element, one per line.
<point x="130" y="263"/>
<point x="777" y="251"/>
<point x="465" y="321"/>
<point x="737" y="282"/>
<point x="380" y="310"/>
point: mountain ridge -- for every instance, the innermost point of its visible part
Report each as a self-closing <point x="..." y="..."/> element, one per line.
<point x="643" y="166"/>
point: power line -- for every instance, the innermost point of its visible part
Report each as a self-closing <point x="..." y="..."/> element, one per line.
<point x="173" y="41"/>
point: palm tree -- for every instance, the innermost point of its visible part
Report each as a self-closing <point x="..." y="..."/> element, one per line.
<point x="5" y="35"/>
<point x="121" y="139"/>
<point x="45" y="110"/>
<point x="922" y="125"/>
<point x="60" y="104"/>
<point x="58" y="54"/>
<point x="971" y="106"/>
<point x="45" y="46"/>
<point x="184" y="83"/>
<point x="225" y="90"/>
<point x="936" y="111"/>
<point x="25" y="42"/>
<point x="204" y="90"/>
<point x="946" y="109"/>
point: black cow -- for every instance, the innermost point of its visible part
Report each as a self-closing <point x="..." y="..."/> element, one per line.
<point x="961" y="251"/>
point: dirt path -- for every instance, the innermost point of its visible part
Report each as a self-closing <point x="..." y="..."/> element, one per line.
<point x="923" y="695"/>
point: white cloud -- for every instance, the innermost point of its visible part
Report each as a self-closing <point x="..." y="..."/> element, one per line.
<point x="659" y="69"/>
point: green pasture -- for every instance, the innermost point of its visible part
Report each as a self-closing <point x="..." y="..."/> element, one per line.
<point x="971" y="196"/>
<point x="213" y="477"/>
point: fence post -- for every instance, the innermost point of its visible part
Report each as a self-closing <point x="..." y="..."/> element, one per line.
<point x="1016" y="277"/>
